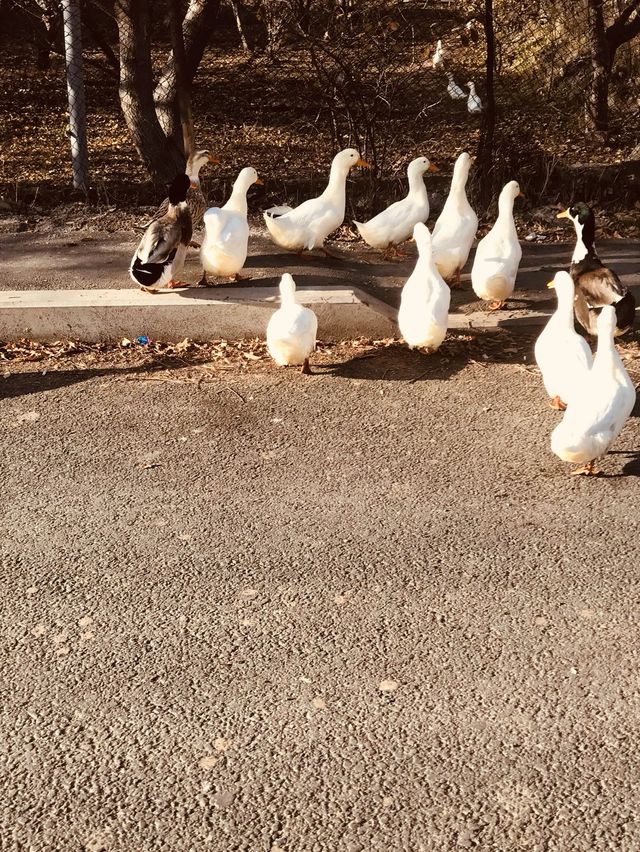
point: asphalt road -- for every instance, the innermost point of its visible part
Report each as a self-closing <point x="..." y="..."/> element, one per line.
<point x="363" y="610"/>
<point x="94" y="260"/>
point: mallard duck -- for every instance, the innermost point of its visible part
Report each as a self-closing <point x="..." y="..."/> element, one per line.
<point x="424" y="303"/>
<point x="456" y="227"/>
<point x="292" y="329"/>
<point x="195" y="197"/>
<point x="600" y="405"/>
<point x="437" y="60"/>
<point x="563" y="356"/>
<point x="395" y="224"/>
<point x="495" y="265"/>
<point x="596" y="285"/>
<point x="226" y="239"/>
<point x="163" y="248"/>
<point x="474" y="103"/>
<point x="308" y="225"/>
<point x="454" y="89"/>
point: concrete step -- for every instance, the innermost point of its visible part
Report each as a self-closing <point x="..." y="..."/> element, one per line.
<point x="204" y="314"/>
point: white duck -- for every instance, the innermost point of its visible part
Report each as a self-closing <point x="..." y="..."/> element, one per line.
<point x="437" y="60"/>
<point x="599" y="408"/>
<point x="226" y="239"/>
<point x="474" y="103"/>
<point x="308" y="225"/>
<point x="395" y="224"/>
<point x="292" y="329"/>
<point x="454" y="90"/>
<point x="563" y="356"/>
<point x="455" y="229"/>
<point x="495" y="266"/>
<point x="424" y="303"/>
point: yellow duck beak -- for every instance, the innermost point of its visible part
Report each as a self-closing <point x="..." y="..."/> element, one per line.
<point x="259" y="181"/>
<point x="433" y="168"/>
<point x="362" y="163"/>
<point x="551" y="285"/>
<point x="194" y="185"/>
<point x="521" y="195"/>
<point x="213" y="160"/>
<point x="564" y="215"/>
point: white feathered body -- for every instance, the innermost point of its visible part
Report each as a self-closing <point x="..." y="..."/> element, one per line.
<point x="394" y="224"/>
<point x="457" y="225"/>
<point x="594" y="417"/>
<point x="598" y="409"/>
<point x="563" y="356"/>
<point x="424" y="303"/>
<point x="226" y="241"/>
<point x="498" y="255"/>
<point x="308" y="225"/>
<point x="292" y="329"/>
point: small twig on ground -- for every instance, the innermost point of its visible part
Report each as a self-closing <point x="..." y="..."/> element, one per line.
<point x="233" y="390"/>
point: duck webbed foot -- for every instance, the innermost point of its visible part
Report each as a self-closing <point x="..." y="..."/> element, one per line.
<point x="557" y="404"/>
<point x="588" y="469"/>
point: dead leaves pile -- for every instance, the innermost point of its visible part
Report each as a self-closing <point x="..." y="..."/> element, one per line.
<point x="199" y="363"/>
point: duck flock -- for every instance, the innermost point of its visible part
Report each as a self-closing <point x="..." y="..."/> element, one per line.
<point x="595" y="393"/>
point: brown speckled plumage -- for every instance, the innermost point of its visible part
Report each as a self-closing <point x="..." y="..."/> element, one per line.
<point x="196" y="202"/>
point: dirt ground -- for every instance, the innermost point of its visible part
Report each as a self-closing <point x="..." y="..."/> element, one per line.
<point x="362" y="610"/>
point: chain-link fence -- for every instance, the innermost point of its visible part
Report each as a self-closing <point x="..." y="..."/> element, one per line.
<point x="282" y="84"/>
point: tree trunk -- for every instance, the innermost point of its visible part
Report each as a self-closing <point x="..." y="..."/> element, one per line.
<point x="484" y="157"/>
<point x="597" y="106"/>
<point x="183" y="88"/>
<point x="197" y="27"/>
<point x="235" y="8"/>
<point x="162" y="157"/>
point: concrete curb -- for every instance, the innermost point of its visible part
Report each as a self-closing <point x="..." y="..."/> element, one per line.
<point x="204" y="314"/>
<point x="171" y="315"/>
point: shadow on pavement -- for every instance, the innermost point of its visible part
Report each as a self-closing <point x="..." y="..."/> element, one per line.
<point x="24" y="384"/>
<point x="395" y="363"/>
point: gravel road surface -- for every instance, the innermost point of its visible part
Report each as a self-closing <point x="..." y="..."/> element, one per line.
<point x="250" y="611"/>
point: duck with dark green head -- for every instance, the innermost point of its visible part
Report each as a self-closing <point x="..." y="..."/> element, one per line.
<point x="596" y="285"/>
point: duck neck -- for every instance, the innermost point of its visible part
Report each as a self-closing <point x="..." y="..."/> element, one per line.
<point x="424" y="254"/>
<point x="238" y="199"/>
<point x="417" y="186"/>
<point x="606" y="359"/>
<point x="564" y="310"/>
<point x="457" y="197"/>
<point x="193" y="171"/>
<point x="585" y="241"/>
<point x="337" y="186"/>
<point x="505" y="222"/>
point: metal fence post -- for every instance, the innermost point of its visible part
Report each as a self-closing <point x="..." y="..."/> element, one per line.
<point x="485" y="153"/>
<point x="75" y="92"/>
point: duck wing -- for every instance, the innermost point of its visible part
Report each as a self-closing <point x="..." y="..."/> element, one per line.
<point x="598" y="284"/>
